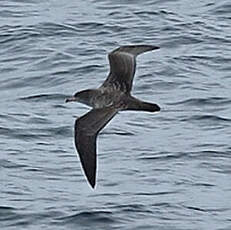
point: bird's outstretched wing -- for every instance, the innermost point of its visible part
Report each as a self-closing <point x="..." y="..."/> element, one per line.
<point x="86" y="129"/>
<point x="123" y="66"/>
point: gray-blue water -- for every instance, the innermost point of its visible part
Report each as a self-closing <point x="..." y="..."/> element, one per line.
<point x="165" y="171"/>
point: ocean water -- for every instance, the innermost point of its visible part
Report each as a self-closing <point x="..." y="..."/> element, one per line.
<point x="165" y="171"/>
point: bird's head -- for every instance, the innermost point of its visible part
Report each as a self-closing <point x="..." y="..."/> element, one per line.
<point x="82" y="96"/>
<point x="75" y="97"/>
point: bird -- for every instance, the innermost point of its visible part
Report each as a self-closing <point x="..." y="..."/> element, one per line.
<point x="113" y="96"/>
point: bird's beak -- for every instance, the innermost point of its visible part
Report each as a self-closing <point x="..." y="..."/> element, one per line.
<point x="71" y="99"/>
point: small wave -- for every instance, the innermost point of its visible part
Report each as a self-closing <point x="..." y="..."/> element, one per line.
<point x="203" y="101"/>
<point x="134" y="208"/>
<point x="156" y="193"/>
<point x="203" y="185"/>
<point x="44" y="97"/>
<point x="179" y="40"/>
<point x="28" y="134"/>
<point x="88" y="218"/>
<point x="162" y="156"/>
<point x="222" y="9"/>
<point x="11" y="165"/>
<point x="211" y="210"/>
<point x="9" y="216"/>
<point x="39" y="120"/>
<point x="7" y="213"/>
<point x="210" y="118"/>
<point x="84" y="69"/>
<point x="119" y="132"/>
<point x="16" y="33"/>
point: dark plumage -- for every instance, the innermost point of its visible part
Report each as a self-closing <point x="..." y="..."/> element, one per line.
<point x="110" y="98"/>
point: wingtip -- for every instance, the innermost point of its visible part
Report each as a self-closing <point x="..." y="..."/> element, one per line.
<point x="135" y="49"/>
<point x="91" y="178"/>
<point x="92" y="183"/>
<point x="155" y="47"/>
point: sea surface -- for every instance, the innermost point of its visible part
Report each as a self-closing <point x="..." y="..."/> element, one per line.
<point x="165" y="171"/>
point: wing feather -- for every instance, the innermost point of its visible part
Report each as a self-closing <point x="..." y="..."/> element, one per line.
<point x="123" y="65"/>
<point x="86" y="129"/>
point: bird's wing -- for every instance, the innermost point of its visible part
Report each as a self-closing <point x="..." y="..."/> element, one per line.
<point x="86" y="129"/>
<point x="123" y="66"/>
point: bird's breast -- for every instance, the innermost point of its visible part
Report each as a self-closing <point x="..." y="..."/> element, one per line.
<point x="107" y="99"/>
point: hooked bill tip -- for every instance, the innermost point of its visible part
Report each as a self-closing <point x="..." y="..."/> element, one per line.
<point x="155" y="47"/>
<point x="70" y="99"/>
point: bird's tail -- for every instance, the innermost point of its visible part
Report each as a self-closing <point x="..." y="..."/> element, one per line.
<point x="135" y="104"/>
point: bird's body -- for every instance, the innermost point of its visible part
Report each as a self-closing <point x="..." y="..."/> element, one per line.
<point x="106" y="101"/>
<point x="100" y="98"/>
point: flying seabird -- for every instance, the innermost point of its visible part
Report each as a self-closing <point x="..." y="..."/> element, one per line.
<point x="112" y="96"/>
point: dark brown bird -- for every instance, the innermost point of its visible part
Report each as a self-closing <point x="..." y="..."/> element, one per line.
<point x="112" y="96"/>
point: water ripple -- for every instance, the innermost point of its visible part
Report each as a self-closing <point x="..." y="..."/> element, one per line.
<point x="210" y="101"/>
<point x="164" y="171"/>
<point x="44" y="97"/>
<point x="88" y="218"/>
